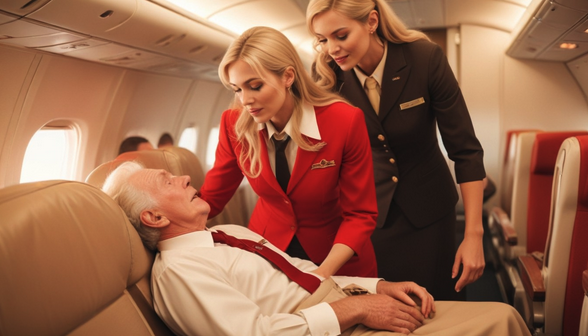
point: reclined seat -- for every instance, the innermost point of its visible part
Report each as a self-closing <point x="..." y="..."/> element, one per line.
<point x="180" y="161"/>
<point x="71" y="263"/>
<point x="555" y="291"/>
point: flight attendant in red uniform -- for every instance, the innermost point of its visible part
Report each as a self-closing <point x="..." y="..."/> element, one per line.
<point x="322" y="206"/>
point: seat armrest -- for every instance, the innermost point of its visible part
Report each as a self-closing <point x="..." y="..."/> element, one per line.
<point x="531" y="277"/>
<point x="503" y="221"/>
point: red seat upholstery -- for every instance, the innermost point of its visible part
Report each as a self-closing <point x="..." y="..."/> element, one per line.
<point x="578" y="250"/>
<point x="557" y="289"/>
<point x="543" y="158"/>
<point x="584" y="316"/>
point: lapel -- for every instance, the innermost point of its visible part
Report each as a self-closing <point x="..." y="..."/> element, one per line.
<point x="266" y="170"/>
<point x="396" y="73"/>
<point x="351" y="89"/>
<point x="304" y="160"/>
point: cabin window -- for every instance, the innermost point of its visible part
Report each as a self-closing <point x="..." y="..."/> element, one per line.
<point x="50" y="155"/>
<point x="211" y="150"/>
<point x="189" y="139"/>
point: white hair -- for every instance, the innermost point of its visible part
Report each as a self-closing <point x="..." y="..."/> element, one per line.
<point x="132" y="200"/>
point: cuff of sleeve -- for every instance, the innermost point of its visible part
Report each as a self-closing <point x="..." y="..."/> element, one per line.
<point x="321" y="320"/>
<point x="368" y="283"/>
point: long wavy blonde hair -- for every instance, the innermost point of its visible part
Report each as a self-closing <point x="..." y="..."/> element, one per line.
<point x="266" y="50"/>
<point x="390" y="28"/>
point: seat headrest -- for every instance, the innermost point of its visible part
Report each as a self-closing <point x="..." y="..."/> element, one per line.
<point x="511" y="137"/>
<point x="66" y="249"/>
<point x="189" y="164"/>
<point x="545" y="150"/>
<point x="176" y="160"/>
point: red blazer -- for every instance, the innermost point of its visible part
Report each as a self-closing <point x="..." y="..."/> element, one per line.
<point x="324" y="204"/>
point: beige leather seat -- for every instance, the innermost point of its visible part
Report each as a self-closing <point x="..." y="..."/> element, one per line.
<point x="71" y="264"/>
<point x="180" y="161"/>
<point x="176" y="160"/>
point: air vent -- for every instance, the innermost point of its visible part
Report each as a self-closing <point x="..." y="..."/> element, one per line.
<point x="197" y="50"/>
<point x="218" y="58"/>
<point x="34" y="5"/>
<point x="169" y="40"/>
<point x="107" y="14"/>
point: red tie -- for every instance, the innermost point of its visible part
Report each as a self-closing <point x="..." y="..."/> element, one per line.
<point x="307" y="281"/>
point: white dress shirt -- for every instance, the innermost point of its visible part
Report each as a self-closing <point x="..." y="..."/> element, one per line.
<point x="308" y="127"/>
<point x="206" y="288"/>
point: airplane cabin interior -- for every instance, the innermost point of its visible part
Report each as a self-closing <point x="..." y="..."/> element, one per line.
<point x="78" y="77"/>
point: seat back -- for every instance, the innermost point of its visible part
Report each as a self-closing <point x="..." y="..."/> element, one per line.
<point x="566" y="254"/>
<point x="508" y="167"/>
<point x="69" y="263"/>
<point x="180" y="161"/>
<point x="543" y="159"/>
<point x="524" y="142"/>
<point x="176" y="160"/>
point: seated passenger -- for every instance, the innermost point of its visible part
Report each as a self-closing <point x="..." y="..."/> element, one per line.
<point x="165" y="140"/>
<point x="205" y="288"/>
<point x="134" y="143"/>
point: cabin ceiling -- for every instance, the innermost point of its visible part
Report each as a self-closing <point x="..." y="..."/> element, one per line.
<point x="189" y="37"/>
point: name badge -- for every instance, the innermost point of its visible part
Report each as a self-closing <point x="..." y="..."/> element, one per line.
<point x="323" y="164"/>
<point x="412" y="103"/>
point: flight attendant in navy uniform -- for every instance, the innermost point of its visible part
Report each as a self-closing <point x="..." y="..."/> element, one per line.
<point x="414" y="92"/>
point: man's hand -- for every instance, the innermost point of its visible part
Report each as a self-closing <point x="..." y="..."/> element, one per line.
<point x="377" y="311"/>
<point x="401" y="291"/>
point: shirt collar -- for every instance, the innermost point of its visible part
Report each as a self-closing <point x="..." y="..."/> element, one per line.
<point x="188" y="240"/>
<point x="378" y="73"/>
<point x="308" y="124"/>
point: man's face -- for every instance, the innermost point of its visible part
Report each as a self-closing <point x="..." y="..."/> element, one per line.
<point x="176" y="199"/>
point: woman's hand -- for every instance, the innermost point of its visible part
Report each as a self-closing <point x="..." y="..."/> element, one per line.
<point x="471" y="254"/>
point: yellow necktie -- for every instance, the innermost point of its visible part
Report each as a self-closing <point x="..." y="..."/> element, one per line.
<point x="372" y="92"/>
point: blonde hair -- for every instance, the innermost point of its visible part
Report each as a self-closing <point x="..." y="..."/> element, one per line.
<point x="390" y="28"/>
<point x="266" y="50"/>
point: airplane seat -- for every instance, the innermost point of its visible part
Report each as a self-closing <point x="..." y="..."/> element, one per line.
<point x="70" y="263"/>
<point x="554" y="285"/>
<point x="508" y="166"/>
<point x="507" y="222"/>
<point x="157" y="159"/>
<point x="543" y="160"/>
<point x="179" y="161"/>
<point x="509" y="219"/>
<point x="516" y="155"/>
<point x="584" y="314"/>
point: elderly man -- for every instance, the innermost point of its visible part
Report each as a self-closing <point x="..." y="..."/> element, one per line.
<point x="203" y="286"/>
